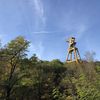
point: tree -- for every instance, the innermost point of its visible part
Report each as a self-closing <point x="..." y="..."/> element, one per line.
<point x="34" y="59"/>
<point x="14" y="52"/>
<point x="89" y="56"/>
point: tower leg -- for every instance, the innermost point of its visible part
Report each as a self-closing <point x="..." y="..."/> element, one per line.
<point x="71" y="56"/>
<point x="75" y="52"/>
<point x="67" y="56"/>
<point x="79" y="54"/>
<point x="75" y="56"/>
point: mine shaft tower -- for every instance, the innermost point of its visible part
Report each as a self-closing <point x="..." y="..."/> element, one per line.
<point x="73" y="52"/>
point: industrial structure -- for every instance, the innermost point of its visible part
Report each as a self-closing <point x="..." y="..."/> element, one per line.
<point x="73" y="52"/>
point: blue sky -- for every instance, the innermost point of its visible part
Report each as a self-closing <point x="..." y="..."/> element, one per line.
<point x="48" y="23"/>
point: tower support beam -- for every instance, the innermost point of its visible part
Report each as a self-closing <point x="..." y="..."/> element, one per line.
<point x="73" y="52"/>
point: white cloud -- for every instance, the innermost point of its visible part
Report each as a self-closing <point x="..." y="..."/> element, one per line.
<point x="80" y="30"/>
<point x="1" y="36"/>
<point x="3" y="39"/>
<point x="45" y="32"/>
<point x="38" y="49"/>
<point x="39" y="9"/>
<point x="73" y="24"/>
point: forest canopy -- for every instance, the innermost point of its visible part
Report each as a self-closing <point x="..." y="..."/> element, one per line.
<point x="23" y="78"/>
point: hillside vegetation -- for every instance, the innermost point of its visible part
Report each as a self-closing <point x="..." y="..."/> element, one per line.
<point x="23" y="78"/>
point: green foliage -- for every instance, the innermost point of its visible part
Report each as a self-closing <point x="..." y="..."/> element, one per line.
<point x="57" y="95"/>
<point x="18" y="46"/>
<point x="98" y="69"/>
<point x="87" y="90"/>
<point x="22" y="78"/>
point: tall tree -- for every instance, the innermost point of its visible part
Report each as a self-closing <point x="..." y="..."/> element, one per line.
<point x="14" y="52"/>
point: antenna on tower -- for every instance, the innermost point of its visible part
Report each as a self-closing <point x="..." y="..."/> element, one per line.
<point x="73" y="52"/>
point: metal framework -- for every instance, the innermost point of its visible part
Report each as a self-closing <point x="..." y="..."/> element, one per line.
<point x="73" y="52"/>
